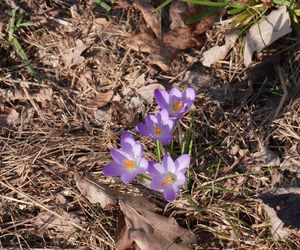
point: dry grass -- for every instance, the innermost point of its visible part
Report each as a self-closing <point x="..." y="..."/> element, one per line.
<point x="52" y="138"/>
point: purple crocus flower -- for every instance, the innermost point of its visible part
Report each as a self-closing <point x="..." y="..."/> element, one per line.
<point x="169" y="175"/>
<point x="175" y="102"/>
<point x="157" y="127"/>
<point x="127" y="161"/>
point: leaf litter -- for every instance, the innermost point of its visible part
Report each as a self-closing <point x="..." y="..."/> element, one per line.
<point x="147" y="229"/>
<point x="163" y="46"/>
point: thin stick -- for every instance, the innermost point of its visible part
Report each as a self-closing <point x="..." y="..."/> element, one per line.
<point x="40" y="205"/>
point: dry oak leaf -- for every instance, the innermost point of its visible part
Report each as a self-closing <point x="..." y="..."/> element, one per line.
<point x="150" y="231"/>
<point x="101" y="99"/>
<point x="143" y="228"/>
<point x="104" y="195"/>
<point x="143" y="42"/>
<point x="180" y="38"/>
<point x="151" y="17"/>
<point x="74" y="57"/>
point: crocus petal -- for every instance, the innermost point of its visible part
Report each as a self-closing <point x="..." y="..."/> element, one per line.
<point x="137" y="151"/>
<point x="180" y="179"/>
<point x="182" y="163"/>
<point x="175" y="92"/>
<point x="156" y="183"/>
<point x="112" y="169"/>
<point x="150" y="121"/>
<point x="163" y="116"/>
<point x="143" y="165"/>
<point x="119" y="156"/>
<point x="128" y="177"/>
<point x="142" y="128"/>
<point x="156" y="169"/>
<point x="189" y="94"/>
<point x="169" y="124"/>
<point x="168" y="163"/>
<point x="169" y="193"/>
<point x="162" y="98"/>
<point x="166" y="138"/>
<point x="127" y="137"/>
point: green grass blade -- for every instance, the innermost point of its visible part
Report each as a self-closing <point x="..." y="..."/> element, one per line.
<point x="207" y="3"/>
<point x="297" y="12"/>
<point x="164" y="4"/>
<point x="235" y="11"/>
<point x="104" y="5"/>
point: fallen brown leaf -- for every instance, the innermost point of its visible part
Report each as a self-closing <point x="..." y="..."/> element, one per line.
<point x="45" y="220"/>
<point x="180" y="38"/>
<point x="282" y="206"/>
<point x="151" y="17"/>
<point x="178" y="13"/>
<point x="266" y="31"/>
<point x="147" y="92"/>
<point x="104" y="195"/>
<point x="74" y="57"/>
<point x="163" y="47"/>
<point x="44" y="96"/>
<point x="143" y="42"/>
<point x="143" y="228"/>
<point x="217" y="53"/>
<point x="123" y="114"/>
<point x="150" y="231"/>
<point x="11" y="117"/>
<point x="265" y="157"/>
<point x="101" y="99"/>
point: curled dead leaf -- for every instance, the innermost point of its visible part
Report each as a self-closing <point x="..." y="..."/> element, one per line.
<point x="151" y="17"/>
<point x="266" y="31"/>
<point x="139" y="225"/>
<point x="282" y="206"/>
<point x="150" y="231"/>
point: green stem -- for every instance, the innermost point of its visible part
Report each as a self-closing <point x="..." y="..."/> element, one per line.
<point x="146" y="176"/>
<point x="171" y="147"/>
<point x="158" y="150"/>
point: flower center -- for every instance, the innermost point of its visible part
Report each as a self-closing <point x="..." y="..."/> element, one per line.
<point x="168" y="180"/>
<point x="129" y="164"/>
<point x="177" y="106"/>
<point x="156" y="130"/>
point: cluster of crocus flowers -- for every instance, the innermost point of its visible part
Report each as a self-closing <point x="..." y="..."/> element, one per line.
<point x="128" y="161"/>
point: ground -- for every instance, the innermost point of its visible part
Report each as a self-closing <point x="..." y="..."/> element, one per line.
<point x="81" y="84"/>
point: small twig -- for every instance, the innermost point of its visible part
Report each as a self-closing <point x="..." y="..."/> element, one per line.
<point x="40" y="205"/>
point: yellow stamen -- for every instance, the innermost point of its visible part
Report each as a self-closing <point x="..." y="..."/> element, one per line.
<point x="168" y="180"/>
<point x="177" y="106"/>
<point x="157" y="131"/>
<point x="129" y="164"/>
